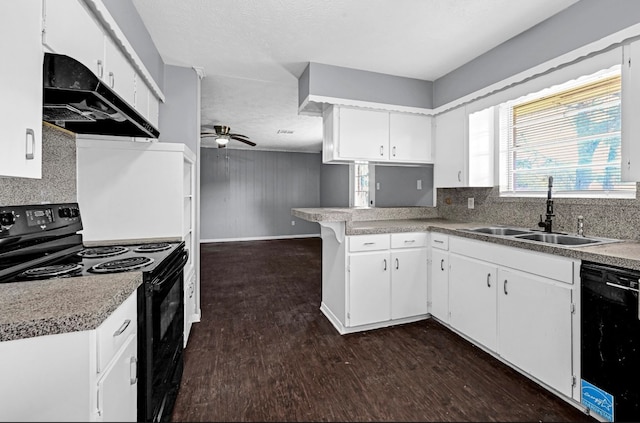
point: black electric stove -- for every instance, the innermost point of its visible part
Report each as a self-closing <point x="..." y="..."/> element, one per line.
<point x="43" y="241"/>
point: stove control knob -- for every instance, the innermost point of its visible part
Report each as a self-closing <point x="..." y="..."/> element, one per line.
<point x="75" y="212"/>
<point x="7" y="219"/>
<point x="64" y="212"/>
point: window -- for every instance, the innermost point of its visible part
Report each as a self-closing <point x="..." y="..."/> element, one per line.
<point x="570" y="132"/>
<point x="361" y="177"/>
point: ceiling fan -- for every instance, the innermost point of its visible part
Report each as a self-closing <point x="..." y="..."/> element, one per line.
<point x="222" y="135"/>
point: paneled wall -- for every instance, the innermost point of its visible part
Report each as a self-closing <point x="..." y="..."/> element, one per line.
<point x="248" y="194"/>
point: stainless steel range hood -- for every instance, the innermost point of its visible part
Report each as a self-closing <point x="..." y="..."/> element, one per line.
<point x="77" y="100"/>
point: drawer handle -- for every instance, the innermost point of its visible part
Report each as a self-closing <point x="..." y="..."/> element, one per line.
<point x="122" y="328"/>
<point x="369" y="243"/>
<point x="112" y="80"/>
<point x="438" y="241"/>
<point x="133" y="374"/>
<point x="489" y="280"/>
<point x="409" y="241"/>
<point x="442" y="265"/>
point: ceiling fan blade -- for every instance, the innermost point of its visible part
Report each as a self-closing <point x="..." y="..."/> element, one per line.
<point x="239" y="135"/>
<point x="251" y="143"/>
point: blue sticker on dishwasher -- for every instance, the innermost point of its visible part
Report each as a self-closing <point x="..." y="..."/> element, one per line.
<point x="597" y="400"/>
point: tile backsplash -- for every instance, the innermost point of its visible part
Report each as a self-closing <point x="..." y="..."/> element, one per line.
<point x="612" y="218"/>
<point x="58" y="183"/>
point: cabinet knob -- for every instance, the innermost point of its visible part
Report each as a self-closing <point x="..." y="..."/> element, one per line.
<point x="442" y="265"/>
<point x="459" y="176"/>
<point x="133" y="370"/>
<point x="382" y="150"/>
<point x="397" y="264"/>
<point x="504" y="288"/>
<point x="489" y="280"/>
<point x="385" y="264"/>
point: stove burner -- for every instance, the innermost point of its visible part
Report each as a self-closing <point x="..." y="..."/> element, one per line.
<point x="121" y="265"/>
<point x="51" y="271"/>
<point x="152" y="248"/>
<point x="101" y="252"/>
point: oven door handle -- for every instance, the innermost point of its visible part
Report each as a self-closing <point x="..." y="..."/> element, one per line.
<point x="174" y="269"/>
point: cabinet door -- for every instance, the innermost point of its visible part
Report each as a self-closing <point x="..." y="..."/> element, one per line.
<point x="142" y="97"/>
<point x="70" y="29"/>
<point x="120" y="75"/>
<point x="21" y="88"/>
<point x="410" y="138"/>
<point x="534" y="327"/>
<point x="440" y="284"/>
<point x="449" y="169"/>
<point x="118" y="386"/>
<point x="408" y="283"/>
<point x="472" y="299"/>
<point x="363" y="134"/>
<point x="630" y="150"/>
<point x="369" y="288"/>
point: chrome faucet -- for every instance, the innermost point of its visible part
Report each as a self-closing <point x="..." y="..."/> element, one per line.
<point x="547" y="223"/>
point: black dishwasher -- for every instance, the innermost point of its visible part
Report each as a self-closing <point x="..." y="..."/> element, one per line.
<point x="610" y="341"/>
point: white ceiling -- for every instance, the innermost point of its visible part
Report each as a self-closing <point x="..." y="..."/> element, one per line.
<point x="253" y="51"/>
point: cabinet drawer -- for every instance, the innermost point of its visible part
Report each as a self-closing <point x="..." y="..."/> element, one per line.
<point x="369" y="242"/>
<point x="439" y="241"/>
<point x="409" y="239"/>
<point x="114" y="331"/>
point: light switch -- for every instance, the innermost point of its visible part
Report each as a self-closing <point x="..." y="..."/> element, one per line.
<point x="377" y="186"/>
<point x="470" y="202"/>
<point x="419" y="184"/>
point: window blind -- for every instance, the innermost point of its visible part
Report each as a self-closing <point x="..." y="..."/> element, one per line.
<point x="571" y="132"/>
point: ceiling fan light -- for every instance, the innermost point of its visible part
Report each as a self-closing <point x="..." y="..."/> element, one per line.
<point x="222" y="140"/>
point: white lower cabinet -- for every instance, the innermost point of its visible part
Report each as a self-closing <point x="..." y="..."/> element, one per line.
<point x="117" y="387"/>
<point x="373" y="281"/>
<point x="387" y="284"/>
<point x="534" y="326"/>
<point x="76" y="376"/>
<point x="518" y="304"/>
<point x="472" y="298"/>
<point x="439" y="285"/>
<point x="369" y="288"/>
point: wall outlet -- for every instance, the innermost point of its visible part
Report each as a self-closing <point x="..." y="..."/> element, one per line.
<point x="377" y="186"/>
<point x="470" y="202"/>
<point x="419" y="184"/>
<point x="293" y="223"/>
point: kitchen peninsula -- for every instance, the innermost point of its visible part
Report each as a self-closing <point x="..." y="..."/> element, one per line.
<point x="516" y="298"/>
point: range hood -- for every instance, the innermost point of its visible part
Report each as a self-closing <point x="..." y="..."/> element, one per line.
<point x="76" y="99"/>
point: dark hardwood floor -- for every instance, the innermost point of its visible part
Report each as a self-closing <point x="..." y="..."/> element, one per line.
<point x="265" y="352"/>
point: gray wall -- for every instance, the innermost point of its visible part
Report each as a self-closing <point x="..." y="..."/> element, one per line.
<point x="179" y="113"/>
<point x="582" y="23"/>
<point x="58" y="183"/>
<point x="354" y="84"/>
<point x="130" y="22"/>
<point x="250" y="193"/>
<point x="398" y="186"/>
<point x="334" y="185"/>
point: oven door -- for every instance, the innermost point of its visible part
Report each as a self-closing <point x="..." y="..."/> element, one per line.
<point x="163" y="341"/>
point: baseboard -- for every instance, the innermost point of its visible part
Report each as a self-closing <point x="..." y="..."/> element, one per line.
<point x="260" y="238"/>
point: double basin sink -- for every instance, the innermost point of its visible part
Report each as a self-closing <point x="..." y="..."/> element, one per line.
<point x="562" y="239"/>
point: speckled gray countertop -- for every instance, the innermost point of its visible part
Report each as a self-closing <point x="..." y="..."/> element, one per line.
<point x="61" y="305"/>
<point x="625" y="253"/>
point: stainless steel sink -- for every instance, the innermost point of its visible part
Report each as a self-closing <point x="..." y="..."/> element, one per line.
<point x="563" y="239"/>
<point x="497" y="230"/>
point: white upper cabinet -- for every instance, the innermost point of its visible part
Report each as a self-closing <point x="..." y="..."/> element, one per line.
<point x="410" y="137"/>
<point x="83" y="40"/>
<point x="630" y="150"/>
<point x="119" y="72"/>
<point x="87" y="41"/>
<point x="449" y="169"/>
<point x="464" y="149"/>
<point x="21" y="88"/>
<point x="356" y="134"/>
